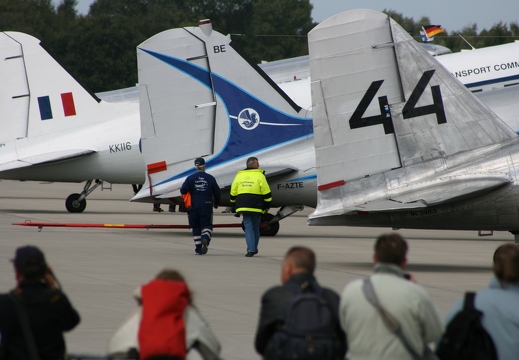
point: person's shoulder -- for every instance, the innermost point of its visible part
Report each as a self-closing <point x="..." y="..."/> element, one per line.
<point x="328" y="290"/>
<point x="353" y="285"/>
<point x="500" y="295"/>
<point x="210" y="176"/>
<point x="275" y="289"/>
<point x="275" y="292"/>
<point x="415" y="289"/>
<point x="6" y="307"/>
<point x="4" y="298"/>
<point x="330" y="294"/>
<point x="189" y="177"/>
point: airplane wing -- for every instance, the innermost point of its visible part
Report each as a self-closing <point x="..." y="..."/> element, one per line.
<point x="47" y="158"/>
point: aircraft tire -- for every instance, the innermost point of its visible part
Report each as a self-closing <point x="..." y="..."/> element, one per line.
<point x="271" y="230"/>
<point x="73" y="206"/>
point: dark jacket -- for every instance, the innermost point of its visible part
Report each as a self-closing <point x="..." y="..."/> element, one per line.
<point x="203" y="188"/>
<point x="274" y="304"/>
<point x="50" y="314"/>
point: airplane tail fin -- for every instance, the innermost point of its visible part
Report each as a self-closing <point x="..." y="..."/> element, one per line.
<point x="199" y="97"/>
<point x="39" y="95"/>
<point x="380" y="101"/>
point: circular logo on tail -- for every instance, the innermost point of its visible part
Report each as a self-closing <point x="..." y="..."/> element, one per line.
<point x="248" y="119"/>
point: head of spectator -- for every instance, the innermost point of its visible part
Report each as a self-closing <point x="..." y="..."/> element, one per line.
<point x="200" y="164"/>
<point x="172" y="275"/>
<point x="165" y="274"/>
<point x="252" y="163"/>
<point x="298" y="259"/>
<point x="29" y="263"/>
<point x="391" y="249"/>
<point x="506" y="264"/>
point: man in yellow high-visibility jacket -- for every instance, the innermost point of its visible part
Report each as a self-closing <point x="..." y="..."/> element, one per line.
<point x="251" y="196"/>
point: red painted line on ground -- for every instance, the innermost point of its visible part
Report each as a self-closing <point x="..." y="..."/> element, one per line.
<point x="40" y="225"/>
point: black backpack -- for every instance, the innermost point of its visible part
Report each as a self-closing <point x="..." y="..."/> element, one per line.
<point x="309" y="328"/>
<point x="465" y="337"/>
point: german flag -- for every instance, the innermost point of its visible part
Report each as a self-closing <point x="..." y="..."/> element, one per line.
<point x="432" y="30"/>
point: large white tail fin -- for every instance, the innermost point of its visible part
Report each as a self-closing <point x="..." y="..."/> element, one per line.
<point x="382" y="102"/>
<point x="39" y="96"/>
<point x="199" y="97"/>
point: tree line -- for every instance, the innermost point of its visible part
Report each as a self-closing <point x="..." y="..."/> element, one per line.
<point x="99" y="47"/>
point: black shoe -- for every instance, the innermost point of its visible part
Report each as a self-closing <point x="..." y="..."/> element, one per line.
<point x="255" y="252"/>
<point x="249" y="254"/>
<point x="204" y="247"/>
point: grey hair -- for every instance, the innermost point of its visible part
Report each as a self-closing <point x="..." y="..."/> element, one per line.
<point x="251" y="160"/>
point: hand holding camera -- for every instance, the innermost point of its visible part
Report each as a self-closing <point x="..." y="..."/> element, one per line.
<point x="50" y="279"/>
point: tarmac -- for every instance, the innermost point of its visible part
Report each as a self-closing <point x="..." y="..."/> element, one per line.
<point x="99" y="268"/>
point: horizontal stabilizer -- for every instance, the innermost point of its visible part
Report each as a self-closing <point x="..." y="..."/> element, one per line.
<point x="275" y="172"/>
<point x="271" y="173"/>
<point x="439" y="191"/>
<point x="389" y="205"/>
<point x="225" y="179"/>
<point x="449" y="189"/>
<point x="47" y="158"/>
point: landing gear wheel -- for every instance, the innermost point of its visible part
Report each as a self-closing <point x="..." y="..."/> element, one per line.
<point x="73" y="205"/>
<point x="269" y="230"/>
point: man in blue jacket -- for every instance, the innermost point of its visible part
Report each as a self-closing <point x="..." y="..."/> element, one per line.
<point x="205" y="194"/>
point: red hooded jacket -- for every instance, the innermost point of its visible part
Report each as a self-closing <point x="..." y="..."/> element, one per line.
<point x="162" y="329"/>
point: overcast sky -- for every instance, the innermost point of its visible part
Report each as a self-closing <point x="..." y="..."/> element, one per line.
<point x="452" y="15"/>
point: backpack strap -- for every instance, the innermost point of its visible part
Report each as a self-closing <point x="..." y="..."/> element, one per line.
<point x="390" y="321"/>
<point x="25" y="325"/>
<point x="470" y="298"/>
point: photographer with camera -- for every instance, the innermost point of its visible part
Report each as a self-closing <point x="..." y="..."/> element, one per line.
<point x="34" y="315"/>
